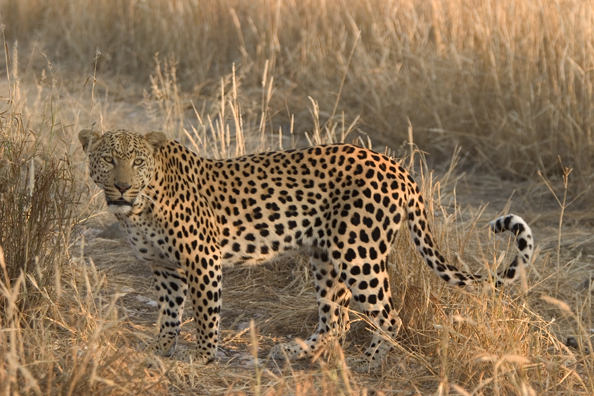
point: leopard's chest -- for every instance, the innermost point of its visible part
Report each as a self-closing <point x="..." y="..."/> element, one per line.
<point x="147" y="239"/>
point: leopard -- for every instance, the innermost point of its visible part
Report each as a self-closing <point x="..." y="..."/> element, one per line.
<point x="187" y="216"/>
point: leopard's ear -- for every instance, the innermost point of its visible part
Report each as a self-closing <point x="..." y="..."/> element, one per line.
<point x="87" y="137"/>
<point x="156" y="139"/>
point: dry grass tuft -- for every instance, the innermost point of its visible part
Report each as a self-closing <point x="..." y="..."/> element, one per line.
<point x="57" y="329"/>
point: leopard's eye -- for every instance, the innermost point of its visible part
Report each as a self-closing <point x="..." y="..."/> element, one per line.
<point x="138" y="161"/>
<point x="108" y="159"/>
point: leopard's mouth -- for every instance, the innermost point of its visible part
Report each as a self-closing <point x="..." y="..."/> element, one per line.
<point x="119" y="202"/>
<point x="120" y="205"/>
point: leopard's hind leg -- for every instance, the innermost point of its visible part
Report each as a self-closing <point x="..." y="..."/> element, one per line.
<point x="333" y="301"/>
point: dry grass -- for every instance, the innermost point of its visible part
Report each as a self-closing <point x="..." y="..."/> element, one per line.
<point x="509" y="82"/>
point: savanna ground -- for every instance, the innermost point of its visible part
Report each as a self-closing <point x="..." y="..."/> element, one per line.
<point x="489" y="103"/>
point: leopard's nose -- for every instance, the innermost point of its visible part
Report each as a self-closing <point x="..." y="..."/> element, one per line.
<point x="123" y="187"/>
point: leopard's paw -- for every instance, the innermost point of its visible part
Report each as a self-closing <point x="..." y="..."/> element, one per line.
<point x="293" y="350"/>
<point x="363" y="365"/>
<point x="193" y="356"/>
<point x="162" y="346"/>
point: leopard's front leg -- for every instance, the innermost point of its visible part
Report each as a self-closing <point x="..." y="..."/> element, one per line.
<point x="171" y="287"/>
<point x="169" y="279"/>
<point x="205" y="282"/>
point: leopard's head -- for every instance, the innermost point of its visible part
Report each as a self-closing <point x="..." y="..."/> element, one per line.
<point x="122" y="163"/>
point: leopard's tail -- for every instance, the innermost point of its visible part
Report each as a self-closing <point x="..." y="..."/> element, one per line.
<point x="448" y="272"/>
<point x="524" y="243"/>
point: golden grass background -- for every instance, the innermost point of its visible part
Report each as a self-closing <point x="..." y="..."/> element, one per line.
<point x="498" y="90"/>
<point x="510" y="81"/>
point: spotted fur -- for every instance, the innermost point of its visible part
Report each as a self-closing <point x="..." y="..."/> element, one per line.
<point x="187" y="216"/>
